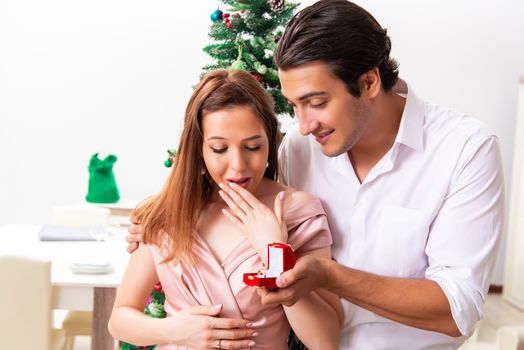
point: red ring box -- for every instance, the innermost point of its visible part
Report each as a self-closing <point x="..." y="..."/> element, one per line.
<point x="281" y="258"/>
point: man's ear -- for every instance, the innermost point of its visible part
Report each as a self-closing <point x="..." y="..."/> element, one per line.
<point x="370" y="83"/>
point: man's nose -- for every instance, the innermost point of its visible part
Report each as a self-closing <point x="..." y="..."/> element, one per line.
<point x="307" y="125"/>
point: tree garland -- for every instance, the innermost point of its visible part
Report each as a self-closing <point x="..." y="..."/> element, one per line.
<point x="154" y="308"/>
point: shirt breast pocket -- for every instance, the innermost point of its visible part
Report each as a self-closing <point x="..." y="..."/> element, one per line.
<point x="400" y="242"/>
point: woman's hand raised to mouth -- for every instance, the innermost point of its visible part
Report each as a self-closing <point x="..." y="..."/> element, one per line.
<point x="258" y="222"/>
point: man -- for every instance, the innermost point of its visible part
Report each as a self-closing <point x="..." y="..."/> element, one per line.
<point x="413" y="191"/>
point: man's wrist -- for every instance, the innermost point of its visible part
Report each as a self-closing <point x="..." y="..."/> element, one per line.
<point x="324" y="271"/>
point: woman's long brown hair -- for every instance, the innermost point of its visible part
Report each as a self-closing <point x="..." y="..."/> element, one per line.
<point x="171" y="216"/>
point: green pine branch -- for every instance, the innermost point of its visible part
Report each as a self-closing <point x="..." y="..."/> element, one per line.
<point x="254" y="31"/>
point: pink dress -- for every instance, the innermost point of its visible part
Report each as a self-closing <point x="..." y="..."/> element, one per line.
<point x="209" y="282"/>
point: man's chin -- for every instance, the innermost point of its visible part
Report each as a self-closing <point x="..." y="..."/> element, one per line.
<point x="330" y="151"/>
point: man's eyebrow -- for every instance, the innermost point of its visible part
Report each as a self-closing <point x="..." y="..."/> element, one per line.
<point x="308" y="95"/>
<point x="312" y="94"/>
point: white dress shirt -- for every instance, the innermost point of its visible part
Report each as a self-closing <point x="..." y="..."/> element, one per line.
<point x="432" y="207"/>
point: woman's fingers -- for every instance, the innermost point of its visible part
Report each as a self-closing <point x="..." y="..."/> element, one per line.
<point x="235" y="344"/>
<point x="232" y="204"/>
<point x="237" y="197"/>
<point x="205" y="310"/>
<point x="247" y="196"/>
<point x="228" y="323"/>
<point x="239" y="333"/>
<point x="232" y="333"/>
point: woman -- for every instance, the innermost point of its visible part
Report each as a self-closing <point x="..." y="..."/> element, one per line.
<point x="230" y="138"/>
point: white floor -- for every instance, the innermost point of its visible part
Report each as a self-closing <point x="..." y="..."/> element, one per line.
<point x="498" y="313"/>
<point x="83" y="343"/>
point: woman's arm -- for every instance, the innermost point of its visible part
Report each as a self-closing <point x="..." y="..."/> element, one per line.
<point x="196" y="327"/>
<point x="128" y="322"/>
<point x="317" y="317"/>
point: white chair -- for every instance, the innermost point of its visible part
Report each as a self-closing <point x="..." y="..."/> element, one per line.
<point x="25" y="304"/>
<point x="76" y="323"/>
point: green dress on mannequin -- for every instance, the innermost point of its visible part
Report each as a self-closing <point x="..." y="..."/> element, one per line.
<point x="102" y="185"/>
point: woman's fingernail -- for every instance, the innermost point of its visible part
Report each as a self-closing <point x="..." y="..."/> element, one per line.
<point x="221" y="193"/>
<point x="281" y="195"/>
<point x="254" y="335"/>
<point x="250" y="324"/>
<point x="251" y="343"/>
<point x="221" y="185"/>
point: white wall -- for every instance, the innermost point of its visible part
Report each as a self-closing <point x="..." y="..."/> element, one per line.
<point x="79" y="77"/>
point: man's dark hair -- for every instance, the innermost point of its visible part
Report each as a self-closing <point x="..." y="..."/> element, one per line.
<point x="344" y="36"/>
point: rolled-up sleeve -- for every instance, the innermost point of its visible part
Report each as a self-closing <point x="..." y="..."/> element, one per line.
<point x="464" y="237"/>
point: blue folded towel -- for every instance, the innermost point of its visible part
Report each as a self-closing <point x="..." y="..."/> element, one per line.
<point x="66" y="233"/>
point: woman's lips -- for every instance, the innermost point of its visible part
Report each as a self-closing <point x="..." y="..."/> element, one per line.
<point x="244" y="181"/>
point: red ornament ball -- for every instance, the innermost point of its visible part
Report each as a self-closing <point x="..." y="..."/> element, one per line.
<point x="257" y="77"/>
<point x="229" y="25"/>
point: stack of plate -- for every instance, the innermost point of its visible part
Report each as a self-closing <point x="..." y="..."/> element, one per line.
<point x="91" y="266"/>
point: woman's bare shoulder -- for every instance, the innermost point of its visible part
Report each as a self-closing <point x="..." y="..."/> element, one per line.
<point x="296" y="197"/>
<point x="292" y="196"/>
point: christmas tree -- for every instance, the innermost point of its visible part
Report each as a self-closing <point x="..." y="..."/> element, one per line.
<point x="245" y="37"/>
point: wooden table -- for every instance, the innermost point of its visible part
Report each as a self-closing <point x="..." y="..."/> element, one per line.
<point x="72" y="291"/>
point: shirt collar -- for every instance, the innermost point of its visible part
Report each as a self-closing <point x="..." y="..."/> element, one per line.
<point x="411" y="129"/>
